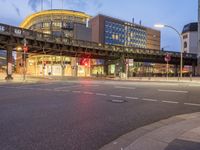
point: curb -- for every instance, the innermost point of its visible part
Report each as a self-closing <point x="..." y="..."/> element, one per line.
<point x="157" y="136"/>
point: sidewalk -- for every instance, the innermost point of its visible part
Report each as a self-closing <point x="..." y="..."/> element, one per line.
<point x="29" y="78"/>
<point x="162" y="79"/>
<point x="177" y="133"/>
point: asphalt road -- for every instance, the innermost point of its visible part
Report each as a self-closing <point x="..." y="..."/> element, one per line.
<point x="85" y="115"/>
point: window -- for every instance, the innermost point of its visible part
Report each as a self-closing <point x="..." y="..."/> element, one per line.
<point x="185" y="36"/>
<point x="185" y="44"/>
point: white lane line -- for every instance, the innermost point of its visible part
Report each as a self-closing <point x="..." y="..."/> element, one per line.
<point x="27" y="85"/>
<point x="135" y="98"/>
<point x="64" y="87"/>
<point x="101" y="94"/>
<point x="173" y="91"/>
<point x="63" y="91"/>
<point x="76" y="91"/>
<point x="117" y="96"/>
<point x="193" y="85"/>
<point x="47" y="89"/>
<point x="170" y="102"/>
<point x="89" y="93"/>
<point x="92" y="85"/>
<point x="151" y="100"/>
<point x="192" y="104"/>
<point x="117" y="101"/>
<point x="122" y="87"/>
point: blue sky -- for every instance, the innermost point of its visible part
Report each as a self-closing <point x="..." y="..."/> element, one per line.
<point x="176" y="13"/>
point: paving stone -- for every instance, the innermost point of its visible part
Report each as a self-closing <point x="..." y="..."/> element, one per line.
<point x="183" y="145"/>
<point x="192" y="135"/>
<point x="146" y="144"/>
<point x="170" y="132"/>
<point x="118" y="144"/>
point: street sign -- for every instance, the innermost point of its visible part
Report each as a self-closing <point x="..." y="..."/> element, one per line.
<point x="25" y="48"/>
<point x="167" y="57"/>
<point x="131" y="62"/>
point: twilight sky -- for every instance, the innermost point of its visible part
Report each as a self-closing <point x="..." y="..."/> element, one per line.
<point x="176" y="13"/>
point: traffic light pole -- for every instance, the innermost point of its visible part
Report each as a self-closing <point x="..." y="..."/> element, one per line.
<point x="24" y="63"/>
<point x="167" y="70"/>
<point x="24" y="75"/>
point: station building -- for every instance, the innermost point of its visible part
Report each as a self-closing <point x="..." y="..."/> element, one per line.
<point x="101" y="29"/>
<point x="3" y="61"/>
<point x="190" y="38"/>
<point x="113" y="31"/>
<point x="66" y="23"/>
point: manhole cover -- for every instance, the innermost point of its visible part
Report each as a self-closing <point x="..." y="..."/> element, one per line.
<point x="118" y="101"/>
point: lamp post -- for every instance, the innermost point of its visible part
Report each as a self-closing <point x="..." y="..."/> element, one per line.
<point x="181" y="51"/>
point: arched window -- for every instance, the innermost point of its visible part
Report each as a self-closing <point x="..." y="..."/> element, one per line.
<point x="185" y="44"/>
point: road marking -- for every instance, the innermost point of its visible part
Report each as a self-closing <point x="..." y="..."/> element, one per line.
<point x="63" y="90"/>
<point x="194" y="85"/>
<point x="64" y="87"/>
<point x="122" y="87"/>
<point x="192" y="104"/>
<point x="170" y="102"/>
<point x="151" y="100"/>
<point x="101" y="94"/>
<point x="117" y="101"/>
<point x="173" y="91"/>
<point x="115" y="96"/>
<point x="89" y="93"/>
<point x="135" y="98"/>
<point x="27" y="85"/>
<point x="92" y="85"/>
<point x="76" y="91"/>
<point x="47" y="89"/>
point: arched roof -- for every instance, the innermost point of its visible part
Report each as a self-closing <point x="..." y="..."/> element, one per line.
<point x="27" y="21"/>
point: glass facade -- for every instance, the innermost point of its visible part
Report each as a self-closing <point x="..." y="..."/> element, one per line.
<point x="124" y="34"/>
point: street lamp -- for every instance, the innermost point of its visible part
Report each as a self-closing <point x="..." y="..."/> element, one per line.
<point x="181" y="51"/>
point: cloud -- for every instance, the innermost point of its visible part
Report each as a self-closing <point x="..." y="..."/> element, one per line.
<point x="16" y="9"/>
<point x="34" y="4"/>
<point x="83" y="4"/>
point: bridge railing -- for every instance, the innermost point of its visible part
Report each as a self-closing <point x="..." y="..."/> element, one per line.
<point x="25" y="33"/>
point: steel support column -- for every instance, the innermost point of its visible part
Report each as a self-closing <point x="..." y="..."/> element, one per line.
<point x="105" y="67"/>
<point x="193" y="69"/>
<point x="176" y="70"/>
<point x="9" y="63"/>
<point x="123" y="64"/>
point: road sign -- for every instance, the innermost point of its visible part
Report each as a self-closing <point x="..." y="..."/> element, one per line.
<point x="167" y="57"/>
<point x="25" y="48"/>
<point x="131" y="62"/>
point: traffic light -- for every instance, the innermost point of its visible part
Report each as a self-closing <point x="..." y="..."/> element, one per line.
<point x="84" y="62"/>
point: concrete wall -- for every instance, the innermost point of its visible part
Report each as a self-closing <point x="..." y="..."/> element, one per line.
<point x="191" y="38"/>
<point x="97" y="26"/>
<point x="81" y="32"/>
<point x="193" y="44"/>
<point x="153" y="39"/>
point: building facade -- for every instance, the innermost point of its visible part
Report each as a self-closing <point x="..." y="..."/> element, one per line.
<point x="108" y="30"/>
<point x="101" y="29"/>
<point x="66" y="23"/>
<point x="190" y="38"/>
<point x="3" y="61"/>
